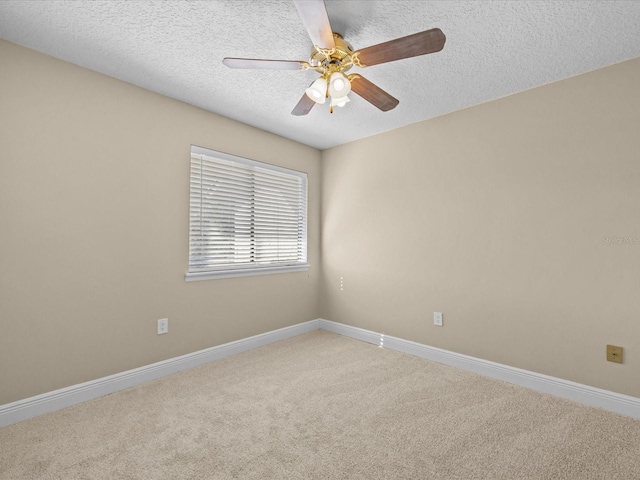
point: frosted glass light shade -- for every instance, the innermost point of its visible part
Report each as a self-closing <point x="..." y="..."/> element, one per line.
<point x="339" y="102"/>
<point x="339" y="85"/>
<point x="317" y="91"/>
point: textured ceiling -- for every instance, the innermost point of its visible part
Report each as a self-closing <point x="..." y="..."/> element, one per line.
<point x="493" y="49"/>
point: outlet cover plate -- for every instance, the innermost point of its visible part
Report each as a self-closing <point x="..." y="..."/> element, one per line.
<point x="163" y="326"/>
<point x="437" y="319"/>
<point x="614" y="354"/>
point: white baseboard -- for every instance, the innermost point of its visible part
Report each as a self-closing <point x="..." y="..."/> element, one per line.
<point x="48" y="402"/>
<point x="595" y="397"/>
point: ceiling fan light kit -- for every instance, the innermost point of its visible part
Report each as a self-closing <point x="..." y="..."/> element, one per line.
<point x="338" y="88"/>
<point x="332" y="56"/>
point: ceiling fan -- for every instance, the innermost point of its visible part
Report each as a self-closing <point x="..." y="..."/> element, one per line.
<point x="332" y="56"/>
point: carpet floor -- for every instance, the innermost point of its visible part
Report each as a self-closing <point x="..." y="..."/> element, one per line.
<point x="323" y="406"/>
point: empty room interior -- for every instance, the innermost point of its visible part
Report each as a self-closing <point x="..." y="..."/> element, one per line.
<point x="456" y="292"/>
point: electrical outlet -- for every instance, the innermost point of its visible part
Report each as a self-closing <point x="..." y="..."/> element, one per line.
<point x="163" y="326"/>
<point x="614" y="354"/>
<point x="437" y="319"/>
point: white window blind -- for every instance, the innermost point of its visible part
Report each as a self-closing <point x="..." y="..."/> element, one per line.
<point x="245" y="217"/>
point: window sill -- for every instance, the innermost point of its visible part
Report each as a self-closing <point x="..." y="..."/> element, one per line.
<point x="244" y="272"/>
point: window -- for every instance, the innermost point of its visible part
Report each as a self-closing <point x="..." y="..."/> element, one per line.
<point x="245" y="217"/>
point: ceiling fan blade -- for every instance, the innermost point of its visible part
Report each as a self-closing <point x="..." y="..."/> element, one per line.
<point x="304" y="106"/>
<point x="429" y="41"/>
<point x="316" y="21"/>
<point x="264" y="64"/>
<point x="372" y="93"/>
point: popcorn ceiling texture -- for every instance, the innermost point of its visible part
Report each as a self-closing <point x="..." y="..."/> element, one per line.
<point x="176" y="48"/>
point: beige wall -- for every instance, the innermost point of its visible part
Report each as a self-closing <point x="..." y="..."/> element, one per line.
<point x="93" y="228"/>
<point x="495" y="215"/>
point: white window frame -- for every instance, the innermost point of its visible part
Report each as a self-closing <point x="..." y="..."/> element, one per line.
<point x="198" y="268"/>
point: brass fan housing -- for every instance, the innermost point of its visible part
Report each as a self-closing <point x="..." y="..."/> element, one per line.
<point x="336" y="59"/>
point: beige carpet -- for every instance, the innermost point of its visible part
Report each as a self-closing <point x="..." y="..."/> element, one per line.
<point x="322" y="406"/>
